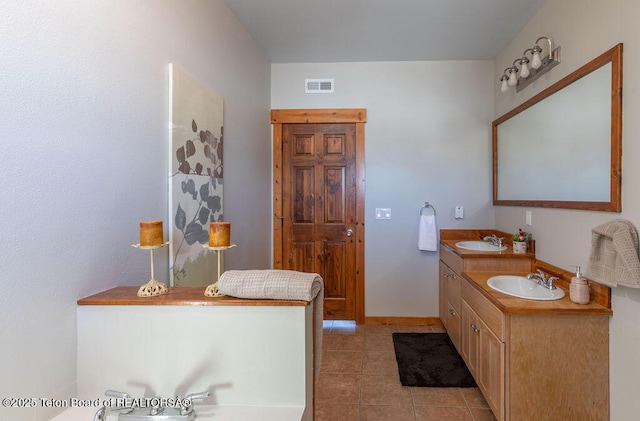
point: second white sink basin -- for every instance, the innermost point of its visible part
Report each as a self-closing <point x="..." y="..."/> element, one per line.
<point x="521" y="287"/>
<point x="479" y="246"/>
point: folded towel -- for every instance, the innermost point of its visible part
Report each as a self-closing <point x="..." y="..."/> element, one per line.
<point x="280" y="285"/>
<point x="270" y="284"/>
<point x="427" y="233"/>
<point x="613" y="259"/>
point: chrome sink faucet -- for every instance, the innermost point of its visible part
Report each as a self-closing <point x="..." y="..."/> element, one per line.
<point x="548" y="283"/>
<point x="495" y="240"/>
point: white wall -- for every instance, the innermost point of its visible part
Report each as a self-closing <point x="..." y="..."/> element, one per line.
<point x="585" y="29"/>
<point x="84" y="159"/>
<point x="427" y="139"/>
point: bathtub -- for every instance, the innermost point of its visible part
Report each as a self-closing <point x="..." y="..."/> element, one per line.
<point x="256" y="357"/>
<point x="206" y="412"/>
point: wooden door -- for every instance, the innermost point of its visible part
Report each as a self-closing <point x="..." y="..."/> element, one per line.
<point x="319" y="208"/>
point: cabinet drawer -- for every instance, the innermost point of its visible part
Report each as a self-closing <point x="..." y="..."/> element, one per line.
<point x="492" y="317"/>
<point x="451" y="259"/>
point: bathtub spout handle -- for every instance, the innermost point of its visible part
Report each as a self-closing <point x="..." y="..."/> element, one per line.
<point x="188" y="408"/>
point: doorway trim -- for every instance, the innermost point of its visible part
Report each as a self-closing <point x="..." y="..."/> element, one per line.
<point x="358" y="116"/>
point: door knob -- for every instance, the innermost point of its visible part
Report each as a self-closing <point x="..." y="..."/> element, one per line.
<point x="349" y="232"/>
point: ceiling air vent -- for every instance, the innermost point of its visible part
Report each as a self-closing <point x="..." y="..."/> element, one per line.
<point x="318" y="86"/>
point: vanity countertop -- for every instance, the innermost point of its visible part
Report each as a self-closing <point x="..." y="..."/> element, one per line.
<point x="507" y="254"/>
<point x="513" y="305"/>
<point x="177" y="296"/>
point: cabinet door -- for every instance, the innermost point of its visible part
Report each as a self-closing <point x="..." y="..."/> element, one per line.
<point x="453" y="325"/>
<point x="442" y="301"/>
<point x="490" y="370"/>
<point x="469" y="333"/>
<point x="454" y="290"/>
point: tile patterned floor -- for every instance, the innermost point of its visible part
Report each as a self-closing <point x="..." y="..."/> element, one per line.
<point x="359" y="381"/>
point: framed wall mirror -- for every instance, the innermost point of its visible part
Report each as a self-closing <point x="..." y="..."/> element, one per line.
<point x="563" y="147"/>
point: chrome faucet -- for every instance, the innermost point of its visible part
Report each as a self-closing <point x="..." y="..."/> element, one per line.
<point x="495" y="240"/>
<point x="159" y="409"/>
<point x="548" y="283"/>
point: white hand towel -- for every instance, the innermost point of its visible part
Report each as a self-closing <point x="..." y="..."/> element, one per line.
<point x="427" y="233"/>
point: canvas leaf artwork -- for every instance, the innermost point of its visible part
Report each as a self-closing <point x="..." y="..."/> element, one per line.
<point x="196" y="177"/>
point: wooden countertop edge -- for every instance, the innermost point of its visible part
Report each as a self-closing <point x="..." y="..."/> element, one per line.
<point x="506" y="254"/>
<point x="177" y="296"/>
<point x="521" y="306"/>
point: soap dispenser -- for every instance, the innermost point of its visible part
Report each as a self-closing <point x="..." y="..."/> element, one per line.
<point x="579" y="289"/>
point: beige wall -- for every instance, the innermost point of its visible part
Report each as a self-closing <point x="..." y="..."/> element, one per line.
<point x="84" y="158"/>
<point x="427" y="139"/>
<point x="585" y="29"/>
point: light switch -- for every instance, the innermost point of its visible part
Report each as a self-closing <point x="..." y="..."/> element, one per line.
<point x="459" y="212"/>
<point x="527" y="217"/>
<point x="383" y="213"/>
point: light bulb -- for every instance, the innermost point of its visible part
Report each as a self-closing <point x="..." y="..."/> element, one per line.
<point x="524" y="70"/>
<point x="535" y="61"/>
<point x="504" y="87"/>
<point x="513" y="78"/>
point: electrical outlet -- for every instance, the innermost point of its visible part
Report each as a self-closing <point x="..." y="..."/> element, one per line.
<point x="459" y="212"/>
<point x="383" y="213"/>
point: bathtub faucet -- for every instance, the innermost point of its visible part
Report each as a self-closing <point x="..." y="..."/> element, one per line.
<point x="151" y="409"/>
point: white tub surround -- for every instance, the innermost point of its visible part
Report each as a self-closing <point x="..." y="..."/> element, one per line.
<point x="247" y="353"/>
<point x="206" y="412"/>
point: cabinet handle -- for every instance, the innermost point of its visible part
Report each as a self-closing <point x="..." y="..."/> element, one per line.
<point x="451" y="312"/>
<point x="475" y="328"/>
<point x="453" y="276"/>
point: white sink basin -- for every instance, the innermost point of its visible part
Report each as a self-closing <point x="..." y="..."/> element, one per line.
<point x="479" y="246"/>
<point x="521" y="287"/>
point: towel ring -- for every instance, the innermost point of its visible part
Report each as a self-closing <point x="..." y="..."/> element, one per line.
<point x="427" y="209"/>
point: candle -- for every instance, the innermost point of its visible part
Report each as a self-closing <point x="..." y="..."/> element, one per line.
<point x="220" y="234"/>
<point x="151" y="233"/>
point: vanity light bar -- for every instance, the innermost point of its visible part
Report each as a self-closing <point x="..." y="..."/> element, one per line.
<point x="529" y="73"/>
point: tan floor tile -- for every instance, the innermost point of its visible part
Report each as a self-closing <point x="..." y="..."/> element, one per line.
<point x="438" y="329"/>
<point x="346" y="327"/>
<point x="437" y="396"/>
<point x="433" y="413"/>
<point x="359" y="381"/>
<point x="384" y="390"/>
<point x="379" y="329"/>
<point x="386" y="413"/>
<point x="415" y="329"/>
<point x="379" y="363"/>
<point x="379" y="343"/>
<point x="474" y="397"/>
<point x="341" y="342"/>
<point x="331" y="412"/>
<point x="482" y="414"/>
<point x="335" y="388"/>
<point x="341" y="362"/>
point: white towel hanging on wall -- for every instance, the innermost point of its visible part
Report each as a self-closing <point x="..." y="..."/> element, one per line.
<point x="427" y="231"/>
